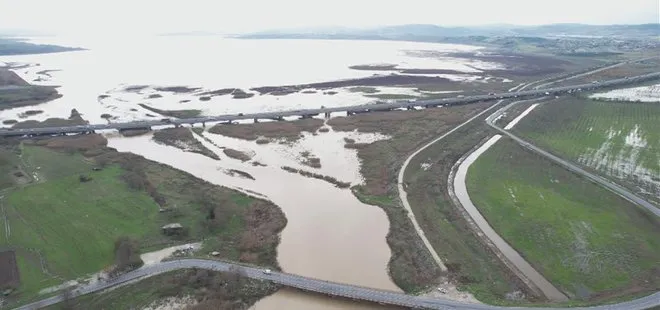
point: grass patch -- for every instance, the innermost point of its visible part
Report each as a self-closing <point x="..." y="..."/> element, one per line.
<point x="74" y="224"/>
<point x="26" y="96"/>
<point x="62" y="228"/>
<point x="364" y="90"/>
<point x="471" y="263"/>
<point x="411" y="267"/>
<point x="236" y="154"/>
<point x="617" y="139"/>
<point x="391" y="96"/>
<point x="214" y="290"/>
<point x="290" y="131"/>
<point x="587" y="241"/>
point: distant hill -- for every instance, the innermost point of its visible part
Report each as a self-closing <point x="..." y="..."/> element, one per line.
<point x="425" y="32"/>
<point x="12" y="46"/>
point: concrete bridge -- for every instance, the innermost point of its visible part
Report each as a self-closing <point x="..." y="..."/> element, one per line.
<point x="334" y="289"/>
<point x="327" y="112"/>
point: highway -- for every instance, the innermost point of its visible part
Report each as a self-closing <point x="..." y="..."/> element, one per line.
<point x="364" y="108"/>
<point x="339" y="289"/>
<point x="322" y="287"/>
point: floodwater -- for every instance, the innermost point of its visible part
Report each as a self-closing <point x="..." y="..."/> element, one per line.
<point x="212" y="63"/>
<point x="329" y="235"/>
<point x="511" y="255"/>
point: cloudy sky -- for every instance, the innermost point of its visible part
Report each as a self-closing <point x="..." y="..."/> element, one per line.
<point x="154" y="16"/>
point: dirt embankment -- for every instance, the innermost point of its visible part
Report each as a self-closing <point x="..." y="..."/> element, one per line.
<point x="411" y="266"/>
<point x="319" y="176"/>
<point x="290" y="131"/>
<point x="183" y="138"/>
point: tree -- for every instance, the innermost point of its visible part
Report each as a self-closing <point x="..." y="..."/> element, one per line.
<point x="127" y="254"/>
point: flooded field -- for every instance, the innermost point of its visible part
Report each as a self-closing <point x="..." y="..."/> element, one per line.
<point x="330" y="235"/>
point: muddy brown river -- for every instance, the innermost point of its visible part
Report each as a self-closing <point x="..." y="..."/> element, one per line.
<point x="330" y="235"/>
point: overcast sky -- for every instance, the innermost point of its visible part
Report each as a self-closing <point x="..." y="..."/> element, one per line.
<point x="154" y="16"/>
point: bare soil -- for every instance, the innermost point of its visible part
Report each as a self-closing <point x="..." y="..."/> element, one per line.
<point x="411" y="266"/>
<point x="9" y="276"/>
<point x="290" y="131"/>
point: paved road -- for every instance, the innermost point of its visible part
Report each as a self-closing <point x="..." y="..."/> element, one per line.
<point x="617" y="189"/>
<point x="364" y="108"/>
<point x="403" y="196"/>
<point x="338" y="289"/>
<point x="323" y="287"/>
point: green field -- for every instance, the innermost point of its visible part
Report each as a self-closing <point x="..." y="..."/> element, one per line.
<point x="588" y="242"/>
<point x="212" y="288"/>
<point x="62" y="228"/>
<point x="618" y="139"/>
<point x="71" y="224"/>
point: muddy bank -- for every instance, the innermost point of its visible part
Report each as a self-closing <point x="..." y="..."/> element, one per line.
<point x="183" y="139"/>
<point x="236" y="154"/>
<point x="74" y="119"/>
<point x="336" y="238"/>
<point x="387" y="80"/>
<point x="514" y="64"/>
<point x="411" y="265"/>
<point x="172" y="113"/>
<point x="254" y="240"/>
<point x="319" y="176"/>
<point x="10" y="78"/>
<point x="394" y="68"/>
<point x="236" y="93"/>
<point x="289" y="131"/>
<point x="517" y="64"/>
<point x="16" y="92"/>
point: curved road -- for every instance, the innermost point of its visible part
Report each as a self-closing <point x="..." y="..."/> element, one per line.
<point x="615" y="188"/>
<point x="368" y="294"/>
<point x="323" y="287"/>
<point x="539" y="281"/>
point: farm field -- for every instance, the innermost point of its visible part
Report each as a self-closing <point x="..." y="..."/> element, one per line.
<point x="620" y="140"/>
<point x="62" y="227"/>
<point x="590" y="243"/>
